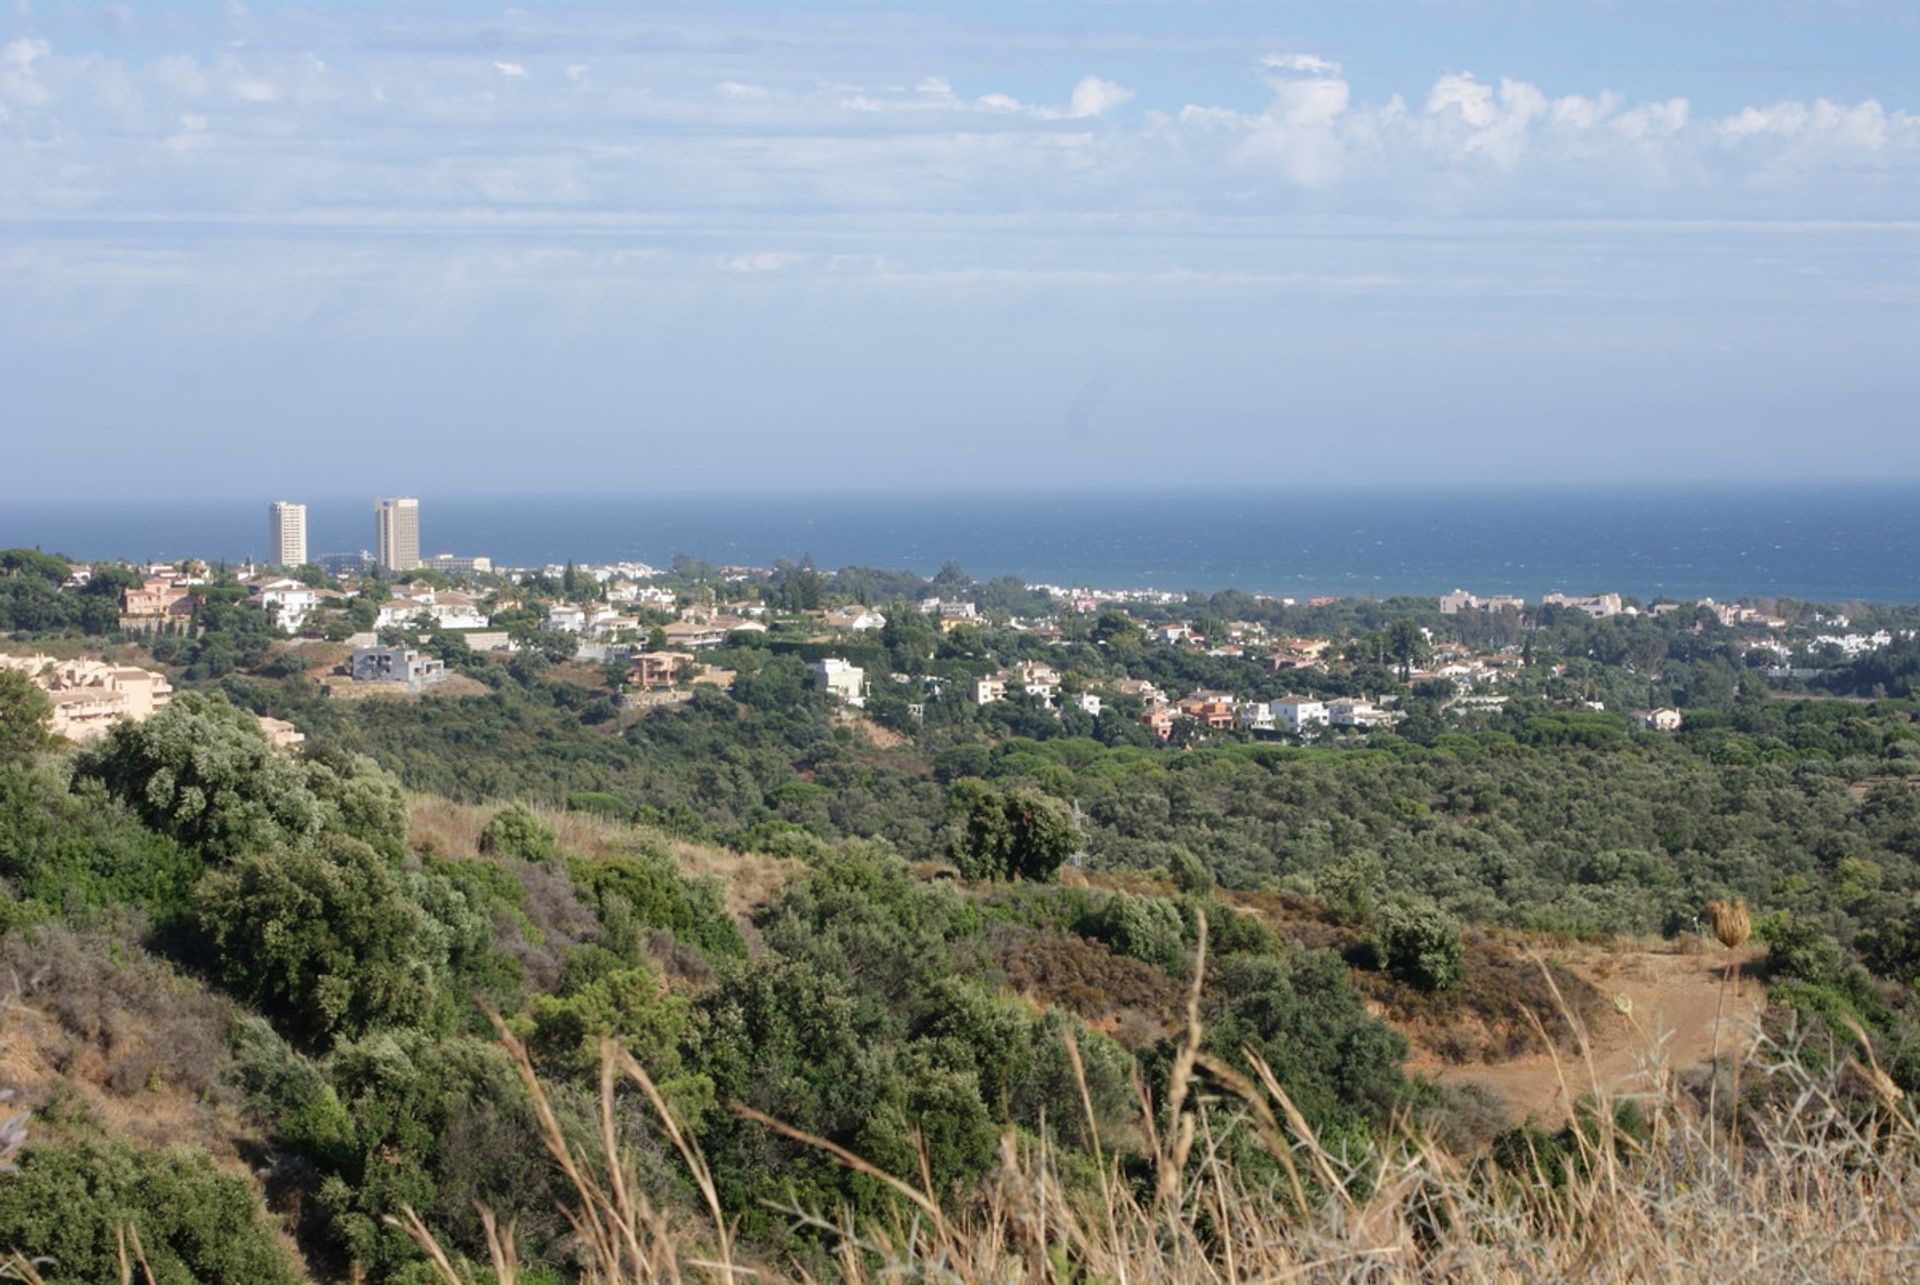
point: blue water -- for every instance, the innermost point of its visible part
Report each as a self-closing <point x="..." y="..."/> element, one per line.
<point x="1832" y="544"/>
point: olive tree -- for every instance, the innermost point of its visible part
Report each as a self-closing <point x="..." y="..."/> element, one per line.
<point x="201" y="771"/>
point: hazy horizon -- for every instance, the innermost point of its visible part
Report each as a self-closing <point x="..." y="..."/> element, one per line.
<point x="1831" y="544"/>
<point x="452" y="247"/>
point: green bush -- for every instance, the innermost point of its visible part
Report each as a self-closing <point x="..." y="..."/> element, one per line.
<point x="514" y="831"/>
<point x="291" y="1092"/>
<point x="360" y="799"/>
<point x="24" y="710"/>
<point x="333" y="939"/>
<point x="77" y="852"/>
<point x="1011" y="834"/>
<point x="1299" y="1011"/>
<point x="1419" y="944"/>
<point x="1145" y="928"/>
<point x="441" y="1124"/>
<point x="610" y="806"/>
<point x="200" y="771"/>
<point x="658" y="896"/>
<point x="1189" y="874"/>
<point x="629" y="1004"/>
<point x="68" y="1201"/>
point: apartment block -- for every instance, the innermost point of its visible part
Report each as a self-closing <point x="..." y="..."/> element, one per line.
<point x="396" y="524"/>
<point x="287" y="534"/>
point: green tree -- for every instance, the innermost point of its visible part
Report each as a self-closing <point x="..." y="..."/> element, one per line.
<point x="1407" y="644"/>
<point x="909" y="636"/>
<point x="333" y="940"/>
<point x="1420" y="944"/>
<point x="32" y="562"/>
<point x="201" y="771"/>
<point x="360" y="799"/>
<point x="1012" y="834"/>
<point x="632" y="1006"/>
<point x="1299" y="1011"/>
<point x="24" y="711"/>
<point x="514" y="831"/>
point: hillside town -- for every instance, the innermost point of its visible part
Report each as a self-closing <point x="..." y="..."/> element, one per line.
<point x="898" y="649"/>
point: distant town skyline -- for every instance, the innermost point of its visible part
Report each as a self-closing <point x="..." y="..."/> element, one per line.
<point x="332" y="247"/>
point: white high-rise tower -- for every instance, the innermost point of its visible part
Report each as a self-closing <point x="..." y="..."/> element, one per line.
<point x="397" y="528"/>
<point x="287" y="533"/>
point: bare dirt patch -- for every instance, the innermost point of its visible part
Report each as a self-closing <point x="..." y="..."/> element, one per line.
<point x="1676" y="1001"/>
<point x="881" y="737"/>
<point x="453" y="686"/>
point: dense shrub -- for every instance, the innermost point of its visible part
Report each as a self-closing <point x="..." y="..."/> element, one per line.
<point x="333" y="939"/>
<point x="291" y="1092"/>
<point x="630" y="1005"/>
<point x="360" y="799"/>
<point x="1018" y="833"/>
<point x="1146" y="928"/>
<point x="514" y="831"/>
<point x="787" y="1040"/>
<point x="24" y="710"/>
<point x="439" y="1124"/>
<point x="76" y="852"/>
<point x="655" y="893"/>
<point x="201" y="771"/>
<point x="1299" y="1011"/>
<point x="1419" y="944"/>
<point x="69" y="1201"/>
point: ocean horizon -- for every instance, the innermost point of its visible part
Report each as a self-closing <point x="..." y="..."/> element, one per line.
<point x="1825" y="543"/>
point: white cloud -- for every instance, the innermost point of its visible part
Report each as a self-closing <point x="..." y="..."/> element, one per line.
<point x="1308" y="64"/>
<point x="17" y="79"/>
<point x="1652" y="119"/>
<point x="192" y="134"/>
<point x="1461" y="92"/>
<point x="1498" y="123"/>
<point x="1096" y="97"/>
<point x="1576" y="111"/>
<point x="1865" y="126"/>
<point x="284" y="127"/>
<point x="761" y="261"/>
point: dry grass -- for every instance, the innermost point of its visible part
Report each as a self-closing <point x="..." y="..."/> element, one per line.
<point x="1824" y="1185"/>
<point x="748" y="880"/>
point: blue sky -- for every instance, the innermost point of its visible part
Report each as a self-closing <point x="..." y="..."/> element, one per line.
<point x="447" y="247"/>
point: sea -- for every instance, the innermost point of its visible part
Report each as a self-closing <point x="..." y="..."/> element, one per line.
<point x="1832" y="544"/>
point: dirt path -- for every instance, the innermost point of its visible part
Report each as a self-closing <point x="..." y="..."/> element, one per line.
<point x="1671" y="1023"/>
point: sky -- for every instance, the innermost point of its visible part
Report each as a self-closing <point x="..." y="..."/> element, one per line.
<point x="1054" y="245"/>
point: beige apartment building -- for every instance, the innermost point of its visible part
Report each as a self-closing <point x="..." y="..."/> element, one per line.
<point x="287" y="534"/>
<point x="396" y="523"/>
<point x="89" y="697"/>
